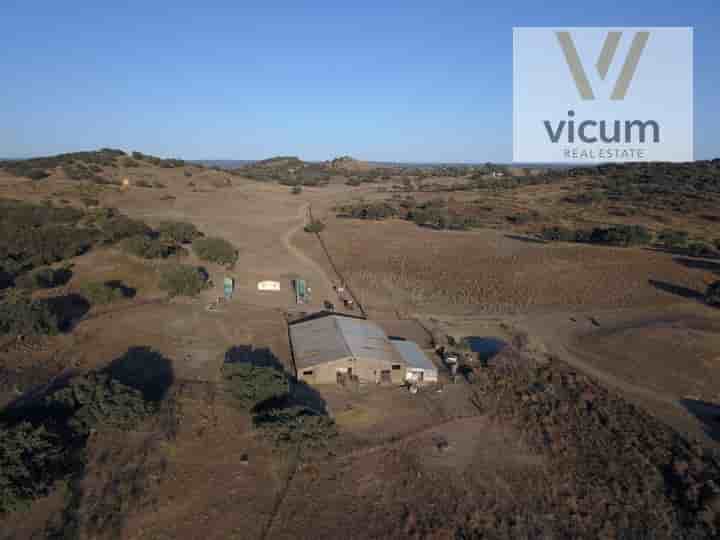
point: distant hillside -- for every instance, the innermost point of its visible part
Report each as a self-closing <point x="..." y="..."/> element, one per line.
<point x="288" y="170"/>
<point x="346" y="163"/>
<point x="89" y="165"/>
<point x="227" y="164"/>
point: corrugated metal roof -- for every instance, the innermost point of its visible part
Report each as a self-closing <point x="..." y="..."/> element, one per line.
<point x="333" y="337"/>
<point x="413" y="355"/>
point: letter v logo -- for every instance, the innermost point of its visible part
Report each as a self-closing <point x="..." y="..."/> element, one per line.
<point x="604" y="61"/>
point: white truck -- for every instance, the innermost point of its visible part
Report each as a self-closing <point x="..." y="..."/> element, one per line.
<point x="452" y="360"/>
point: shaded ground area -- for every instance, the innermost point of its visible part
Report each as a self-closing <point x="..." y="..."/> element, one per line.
<point x="707" y="413"/>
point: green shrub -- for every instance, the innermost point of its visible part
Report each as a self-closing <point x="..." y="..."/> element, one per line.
<point x="523" y="218"/>
<point x="29" y="460"/>
<point x="147" y="248"/>
<point x="315" y="226"/>
<point x="215" y="249"/>
<point x="296" y="190"/>
<point x="621" y="235"/>
<point x="296" y="426"/>
<point x="37" y="174"/>
<point x="180" y="232"/>
<point x="672" y="239"/>
<point x="21" y="316"/>
<point x="252" y="384"/>
<point x="712" y="295"/>
<point x="699" y="249"/>
<point x="116" y="227"/>
<point x="42" y="439"/>
<point x="183" y="280"/>
<point x="380" y="210"/>
<point x="39" y="235"/>
<point x="100" y="293"/>
<point x="558" y="234"/>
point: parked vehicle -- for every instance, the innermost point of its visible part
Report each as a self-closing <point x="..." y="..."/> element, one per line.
<point x="451" y="358"/>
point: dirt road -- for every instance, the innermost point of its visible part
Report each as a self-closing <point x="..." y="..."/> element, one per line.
<point x="300" y="255"/>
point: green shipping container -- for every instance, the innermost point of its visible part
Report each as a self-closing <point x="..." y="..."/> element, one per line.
<point x="229" y="287"/>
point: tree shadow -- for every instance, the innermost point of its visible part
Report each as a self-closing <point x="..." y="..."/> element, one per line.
<point x="699" y="264"/>
<point x="320" y="314"/>
<point x="684" y="252"/>
<point x="62" y="276"/>
<point x="18" y="408"/>
<point x="247" y="354"/>
<point x="145" y="370"/>
<point x="707" y="413"/>
<point x="304" y="395"/>
<point x="69" y="310"/>
<point x="117" y="285"/>
<point x="677" y="290"/>
<point x="528" y="239"/>
<point x="6" y="280"/>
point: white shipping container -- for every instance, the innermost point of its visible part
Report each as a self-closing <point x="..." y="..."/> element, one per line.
<point x="268" y="286"/>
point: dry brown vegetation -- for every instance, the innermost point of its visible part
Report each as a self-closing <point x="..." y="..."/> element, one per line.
<point x="530" y="449"/>
<point x="614" y="470"/>
<point x="488" y="272"/>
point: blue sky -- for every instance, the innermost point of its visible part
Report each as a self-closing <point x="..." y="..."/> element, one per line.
<point x="394" y="81"/>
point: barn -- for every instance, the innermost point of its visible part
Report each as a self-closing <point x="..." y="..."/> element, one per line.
<point x="334" y="348"/>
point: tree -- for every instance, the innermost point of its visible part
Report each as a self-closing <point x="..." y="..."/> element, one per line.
<point x="699" y="249"/>
<point x="712" y="295"/>
<point x="215" y="249"/>
<point x="671" y="239"/>
<point x="101" y="293"/>
<point x="558" y="234"/>
<point x="180" y="232"/>
<point x="253" y="384"/>
<point x="21" y="316"/>
<point x="183" y="280"/>
<point x="315" y="226"/>
<point x="44" y="278"/>
<point x="147" y="248"/>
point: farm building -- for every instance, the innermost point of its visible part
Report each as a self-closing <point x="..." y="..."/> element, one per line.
<point x="333" y="348"/>
<point x="418" y="367"/>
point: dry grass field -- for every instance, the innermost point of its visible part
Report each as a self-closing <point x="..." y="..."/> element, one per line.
<point x="397" y="263"/>
<point x="433" y="465"/>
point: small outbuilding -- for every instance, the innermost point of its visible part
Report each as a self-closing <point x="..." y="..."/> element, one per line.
<point x="418" y="367"/>
<point x="268" y="286"/>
